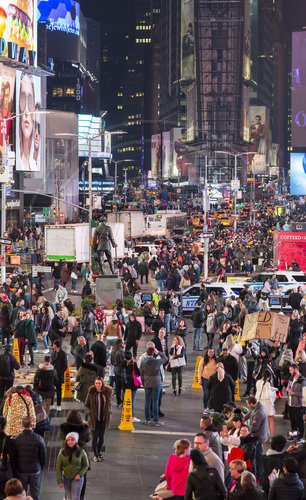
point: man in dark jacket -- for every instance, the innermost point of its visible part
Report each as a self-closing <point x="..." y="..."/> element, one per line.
<point x="99" y="351"/>
<point x="158" y="322"/>
<point x="133" y="333"/>
<point x="45" y="380"/>
<point x="273" y="459"/>
<point x="197" y="323"/>
<point x="58" y="327"/>
<point x="248" y="443"/>
<point x="30" y="336"/>
<point x="161" y="342"/>
<point x="60" y="363"/>
<point x="212" y="433"/>
<point x="80" y="351"/>
<point x="287" y="485"/>
<point x="230" y="364"/>
<point x="117" y="360"/>
<point x="30" y="456"/>
<point x="259" y="426"/>
<point x="165" y="305"/>
<point x="152" y="382"/>
<point x="295" y="299"/>
<point x="8" y="365"/>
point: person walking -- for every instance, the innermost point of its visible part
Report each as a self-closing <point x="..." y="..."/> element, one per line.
<point x="18" y="404"/>
<point x="85" y="377"/>
<point x="259" y="427"/>
<point x="99" y="355"/>
<point x="131" y="379"/>
<point x="30" y="336"/>
<point x="133" y="334"/>
<point x="60" y="362"/>
<point x="207" y="368"/>
<point x="19" y="333"/>
<point x="5" y="328"/>
<point x="8" y="364"/>
<point x="117" y="360"/>
<point x="98" y="408"/>
<point x="45" y="326"/>
<point x="295" y="331"/>
<point x="266" y="394"/>
<point x="71" y="466"/>
<point x="152" y="382"/>
<point x="30" y="457"/>
<point x="177" y="362"/>
<point x="211" y="327"/>
<point x="45" y="380"/>
<point x="197" y="324"/>
<point x="221" y="387"/>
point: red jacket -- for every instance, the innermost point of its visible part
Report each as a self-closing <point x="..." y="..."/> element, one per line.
<point x="177" y="470"/>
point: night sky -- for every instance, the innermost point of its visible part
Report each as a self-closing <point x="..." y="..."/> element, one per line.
<point x="108" y="11"/>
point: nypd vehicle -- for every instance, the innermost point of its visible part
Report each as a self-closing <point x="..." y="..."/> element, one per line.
<point x="286" y="279"/>
<point x="190" y="295"/>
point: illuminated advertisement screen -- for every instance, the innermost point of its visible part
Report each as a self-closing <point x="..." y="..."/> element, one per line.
<point x="187" y="40"/>
<point x="29" y="139"/>
<point x="90" y="126"/>
<point x="60" y="15"/>
<point x="298" y="173"/>
<point x="156" y="155"/>
<point x="18" y="30"/>
<point x="166" y="160"/>
<point x="298" y="89"/>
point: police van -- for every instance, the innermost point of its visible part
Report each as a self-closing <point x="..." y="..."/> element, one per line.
<point x="190" y="295"/>
<point x="286" y="279"/>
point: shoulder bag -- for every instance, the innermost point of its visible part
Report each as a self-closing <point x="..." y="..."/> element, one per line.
<point x="136" y="378"/>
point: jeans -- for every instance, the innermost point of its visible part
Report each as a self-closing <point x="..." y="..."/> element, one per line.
<point x="179" y="372"/>
<point x="152" y="273"/>
<point x="259" y="466"/>
<point x="45" y="341"/>
<point x="142" y="276"/>
<point x="5" y="333"/>
<point x="58" y="387"/>
<point x="152" y="401"/>
<point x="206" y="392"/>
<point x="197" y="337"/>
<point x="98" y="437"/>
<point x="31" y="353"/>
<point x="21" y="347"/>
<point x="73" y="283"/>
<point x="73" y="488"/>
<point x="167" y="322"/>
<point x="159" y="284"/>
<point x="33" y="482"/>
<point x="250" y="379"/>
<point x="56" y="283"/>
<point x="4" y="386"/>
<point x="210" y="339"/>
<point x="118" y="379"/>
<point x="134" y="392"/>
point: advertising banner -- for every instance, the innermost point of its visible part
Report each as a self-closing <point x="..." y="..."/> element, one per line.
<point x="7" y="85"/>
<point x="180" y="155"/>
<point x="298" y="173"/>
<point x="18" y="30"/>
<point x="156" y="155"/>
<point x="166" y="147"/>
<point x="298" y="89"/>
<point x="259" y="138"/>
<point x="29" y="138"/>
<point x="187" y="41"/>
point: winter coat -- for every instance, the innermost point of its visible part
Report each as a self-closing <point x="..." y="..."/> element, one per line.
<point x="297" y="387"/>
<point x="220" y="392"/>
<point x="249" y="445"/>
<point x="133" y="332"/>
<point x="14" y="365"/>
<point x="157" y="342"/>
<point x="211" y="326"/>
<point x="91" y="406"/>
<point x="295" y="300"/>
<point x="87" y="323"/>
<point x="14" y="411"/>
<point x="176" y="473"/>
<point x="4" y="319"/>
<point x="254" y="494"/>
<point x="128" y="380"/>
<point x="150" y="370"/>
<point x="231" y="365"/>
<point x="214" y="440"/>
<point x="182" y="333"/>
<point x="157" y="325"/>
<point x="287" y="486"/>
<point x="30" y="333"/>
<point x="197" y="317"/>
<point x="86" y="375"/>
<point x="164" y="305"/>
<point x="69" y="469"/>
<point x="19" y="328"/>
<point x="57" y="324"/>
<point x="30" y="452"/>
<point x="45" y="376"/>
<point x="60" y="363"/>
<point x="258" y="424"/>
<point x="99" y="351"/>
<point x="205" y="484"/>
<point x="82" y="430"/>
<point x="117" y="359"/>
<point x="113" y="329"/>
<point x="271" y="460"/>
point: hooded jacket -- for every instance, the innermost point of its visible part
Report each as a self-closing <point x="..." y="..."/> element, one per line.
<point x="259" y="425"/>
<point x="249" y="445"/>
<point x="99" y="351"/>
<point x="205" y="483"/>
<point x="86" y="375"/>
<point x="287" y="486"/>
<point x="82" y="430"/>
<point x="214" y="440"/>
<point x="150" y="370"/>
<point x="297" y="385"/>
<point x="133" y="331"/>
<point x="176" y="473"/>
<point x="117" y="359"/>
<point x="91" y="406"/>
<point x="45" y="376"/>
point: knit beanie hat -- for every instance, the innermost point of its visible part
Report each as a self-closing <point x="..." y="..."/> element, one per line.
<point x="74" y="435"/>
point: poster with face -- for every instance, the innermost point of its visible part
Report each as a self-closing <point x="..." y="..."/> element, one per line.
<point x="28" y="125"/>
<point x="166" y="154"/>
<point x="156" y="155"/>
<point x="7" y="85"/>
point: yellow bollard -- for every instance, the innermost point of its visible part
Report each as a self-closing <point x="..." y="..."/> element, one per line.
<point x="126" y="423"/>
<point x="196" y="384"/>
<point x="237" y="395"/>
<point x="16" y="350"/>
<point x="66" y="386"/>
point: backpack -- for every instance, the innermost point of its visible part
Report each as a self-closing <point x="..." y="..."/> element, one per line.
<point x="45" y="383"/>
<point x="5" y="364"/>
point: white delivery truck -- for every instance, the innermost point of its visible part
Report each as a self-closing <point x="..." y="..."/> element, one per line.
<point x="70" y="242"/>
<point x="133" y="221"/>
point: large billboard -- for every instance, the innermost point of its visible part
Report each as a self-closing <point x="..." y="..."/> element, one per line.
<point x="259" y="138"/>
<point x="7" y="85"/>
<point x="156" y="152"/>
<point x="90" y="126"/>
<point x="166" y="155"/>
<point x="187" y="41"/>
<point x="180" y="157"/>
<point x="298" y="173"/>
<point x="298" y="98"/>
<point x="62" y="18"/>
<point x="29" y="138"/>
<point x="18" y="30"/>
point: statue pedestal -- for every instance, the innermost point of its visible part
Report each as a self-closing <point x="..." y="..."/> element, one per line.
<point x="108" y="290"/>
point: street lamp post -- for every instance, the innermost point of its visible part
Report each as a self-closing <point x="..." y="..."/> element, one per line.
<point x="116" y="174"/>
<point x="235" y="178"/>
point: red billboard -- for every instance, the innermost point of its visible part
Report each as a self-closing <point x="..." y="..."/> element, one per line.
<point x="289" y="246"/>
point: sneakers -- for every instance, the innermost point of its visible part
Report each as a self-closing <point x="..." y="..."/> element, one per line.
<point x="135" y="419"/>
<point x="59" y="408"/>
<point x="179" y="391"/>
<point x="174" y="392"/>
<point x="36" y="350"/>
<point x="46" y="351"/>
<point x="96" y="459"/>
<point x="146" y="422"/>
<point x="158" y="424"/>
<point x="101" y="457"/>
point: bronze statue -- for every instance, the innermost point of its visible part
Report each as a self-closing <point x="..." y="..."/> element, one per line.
<point x="102" y="240"/>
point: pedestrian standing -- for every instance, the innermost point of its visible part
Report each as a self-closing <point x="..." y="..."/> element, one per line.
<point x="259" y="427"/>
<point x="197" y="323"/>
<point x="71" y="466"/>
<point x="266" y="394"/>
<point x="45" y="380"/>
<point x="60" y="363"/>
<point x="30" y="335"/>
<point x="177" y="362"/>
<point x="221" y="387"/>
<point x="295" y="390"/>
<point x="133" y="334"/>
<point x="207" y="368"/>
<point x="152" y="382"/>
<point x="8" y="364"/>
<point x="74" y="278"/>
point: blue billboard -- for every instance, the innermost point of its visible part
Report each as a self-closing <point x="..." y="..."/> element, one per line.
<point x="60" y="15"/>
<point x="298" y="173"/>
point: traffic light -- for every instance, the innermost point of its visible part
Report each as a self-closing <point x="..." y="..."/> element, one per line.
<point x="54" y="210"/>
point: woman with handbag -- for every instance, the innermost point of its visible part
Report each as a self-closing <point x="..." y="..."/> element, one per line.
<point x="177" y="362"/>
<point x="42" y="419"/>
<point x="18" y="404"/>
<point x="266" y="394"/>
<point x="131" y="379"/>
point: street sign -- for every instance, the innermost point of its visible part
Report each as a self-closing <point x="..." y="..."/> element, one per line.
<point x="208" y="234"/>
<point x="5" y="241"/>
<point x="46" y="212"/>
<point x="235" y="184"/>
<point x="40" y="269"/>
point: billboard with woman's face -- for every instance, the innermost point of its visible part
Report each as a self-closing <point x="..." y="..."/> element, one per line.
<point x="28" y="125"/>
